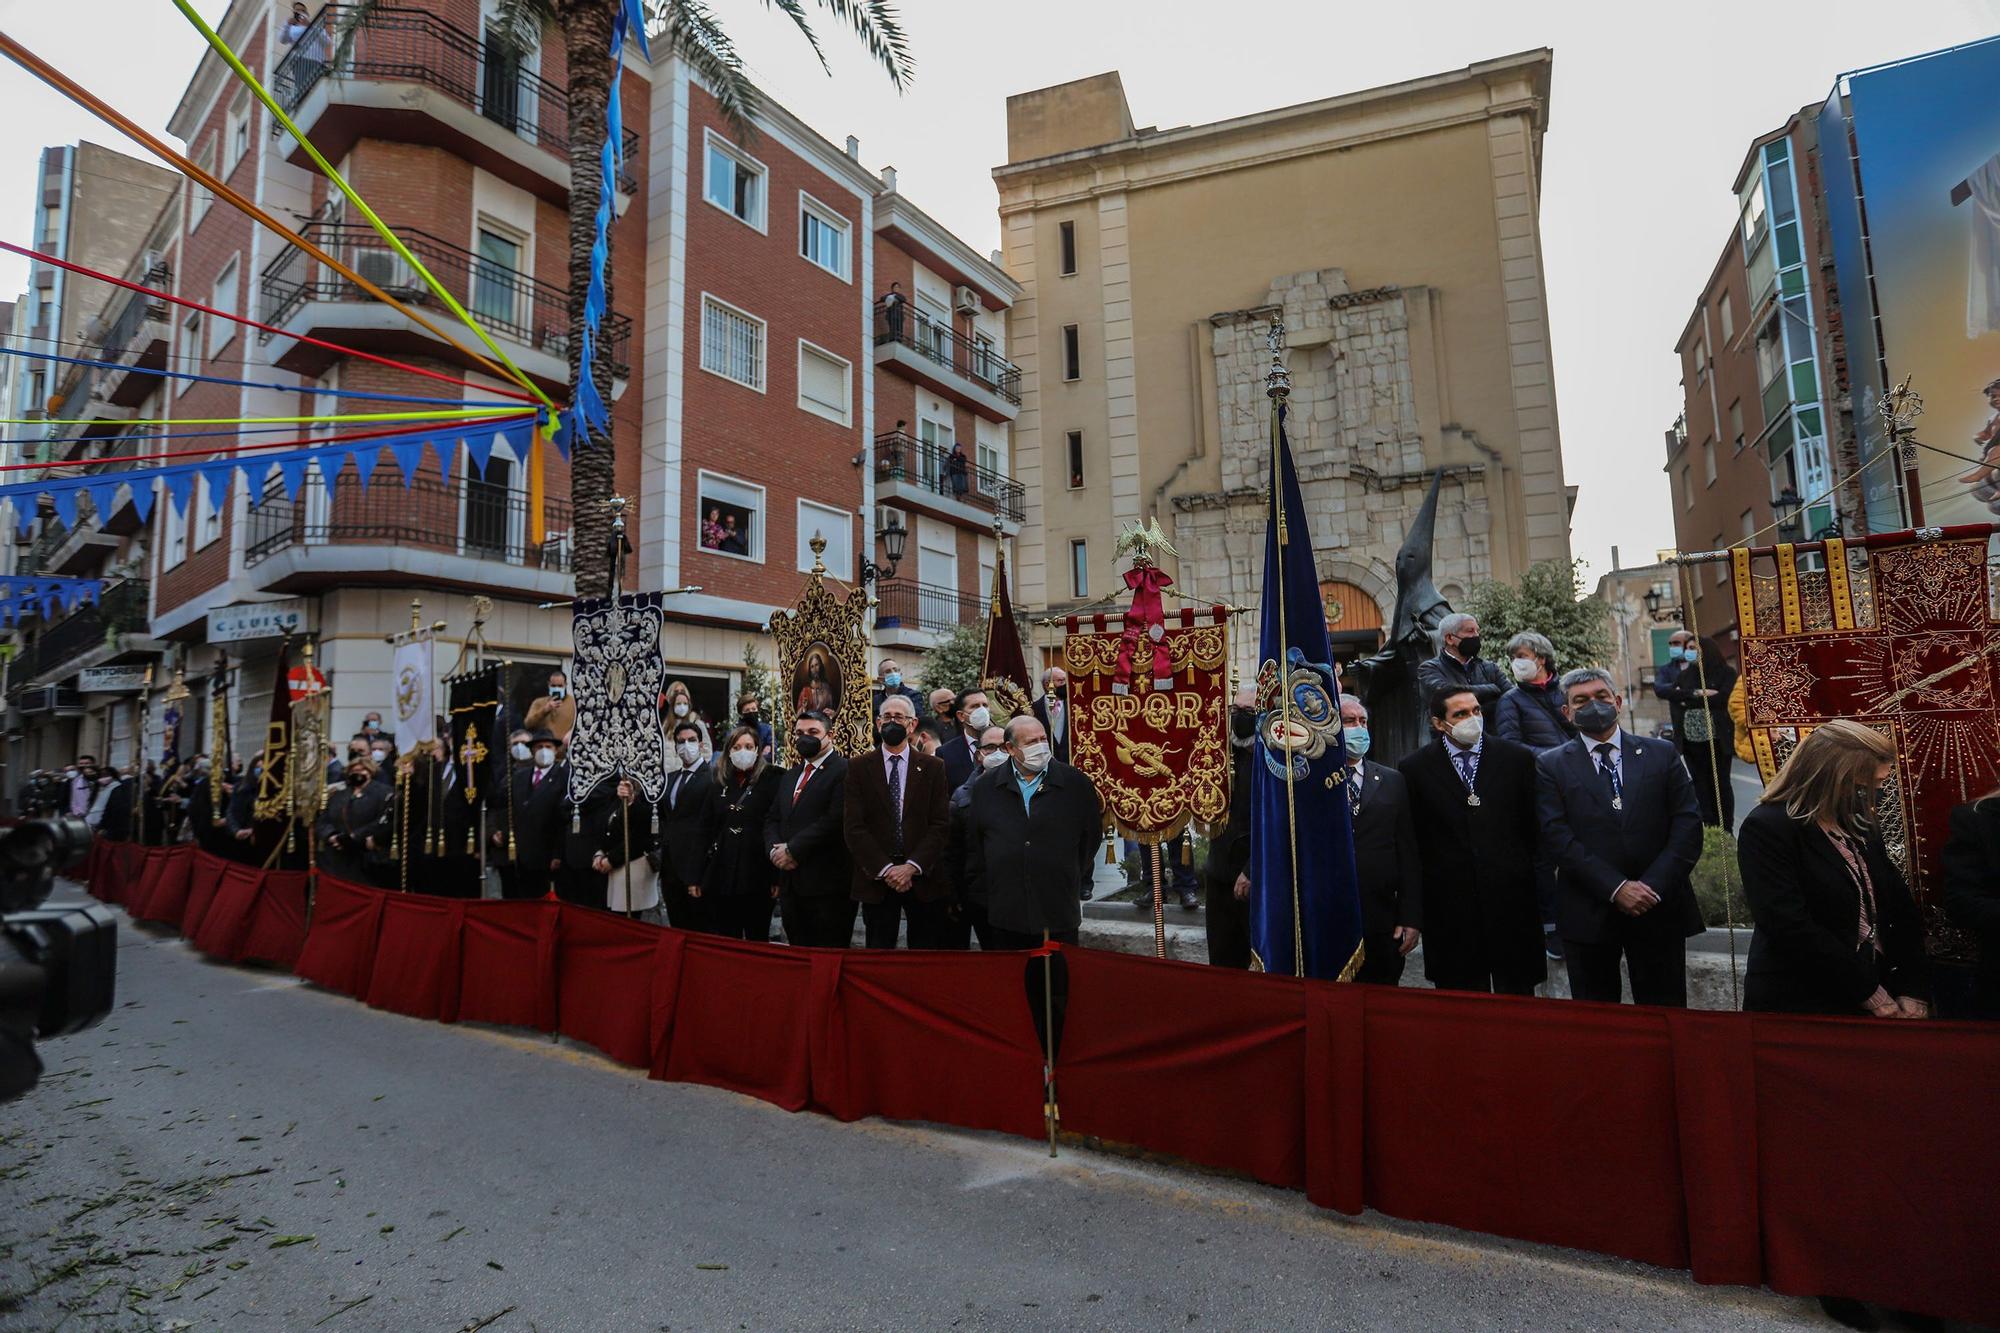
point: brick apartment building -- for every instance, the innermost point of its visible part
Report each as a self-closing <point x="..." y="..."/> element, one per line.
<point x="755" y="379"/>
<point x="1766" y="430"/>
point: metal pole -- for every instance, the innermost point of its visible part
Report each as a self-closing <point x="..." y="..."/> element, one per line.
<point x="1156" y="853"/>
<point x="1051" y="1114"/>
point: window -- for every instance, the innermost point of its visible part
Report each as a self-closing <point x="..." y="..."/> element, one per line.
<point x="38" y="390"/>
<point x="1075" y="442"/>
<point x="175" y="546"/>
<point x="1700" y="355"/>
<point x="239" y="130"/>
<point x="1079" y="568"/>
<point x="1708" y="460"/>
<point x="223" y="298"/>
<point x="492" y="522"/>
<point x="1736" y="424"/>
<point x="1072" y="356"/>
<point x="991" y="457"/>
<point x="199" y="197"/>
<point x="206" y="518"/>
<point x="1770" y="353"/>
<point x="822" y="236"/>
<point x="935" y="437"/>
<point x="1726" y="313"/>
<point x="190" y="349"/>
<point x="824" y="381"/>
<point x="496" y="279"/>
<point x="1749" y="521"/>
<point x="837" y="526"/>
<point x="1066" y="245"/>
<point x="1687" y="487"/>
<point x="732" y="517"/>
<point x="732" y="343"/>
<point x="734" y="182"/>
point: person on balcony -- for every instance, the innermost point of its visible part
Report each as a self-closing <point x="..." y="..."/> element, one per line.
<point x="892" y="311"/>
<point x="956" y="469"/>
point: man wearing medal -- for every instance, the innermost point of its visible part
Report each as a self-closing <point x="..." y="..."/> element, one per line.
<point x="1621" y="824"/>
<point x="1472" y="799"/>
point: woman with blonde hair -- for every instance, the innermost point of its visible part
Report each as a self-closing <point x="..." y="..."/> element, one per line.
<point x="1836" y="929"/>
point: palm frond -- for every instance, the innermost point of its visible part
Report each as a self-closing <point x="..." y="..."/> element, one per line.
<point x="700" y="40"/>
<point x="880" y="29"/>
<point x="795" y="10"/>
<point x="517" y="25"/>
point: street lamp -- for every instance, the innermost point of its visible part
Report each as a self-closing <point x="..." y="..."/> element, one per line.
<point x="893" y="537"/>
<point x="1787" y="506"/>
<point x="1653" y="600"/>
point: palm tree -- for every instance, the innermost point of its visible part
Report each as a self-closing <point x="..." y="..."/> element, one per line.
<point x="700" y="39"/>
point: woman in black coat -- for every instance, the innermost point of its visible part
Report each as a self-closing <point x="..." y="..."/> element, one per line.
<point x="1836" y="929"/>
<point x="1531" y="713"/>
<point x="740" y="884"/>
<point x="1696" y="686"/>
<point x="1972" y="890"/>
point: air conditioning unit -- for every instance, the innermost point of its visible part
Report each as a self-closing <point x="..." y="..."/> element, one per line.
<point x="965" y="301"/>
<point x="884" y="513"/>
<point x="385" y="268"/>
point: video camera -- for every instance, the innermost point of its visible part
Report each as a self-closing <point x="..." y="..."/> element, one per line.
<point x="58" y="965"/>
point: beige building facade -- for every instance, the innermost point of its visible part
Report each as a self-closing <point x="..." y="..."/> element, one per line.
<point x="1394" y="230"/>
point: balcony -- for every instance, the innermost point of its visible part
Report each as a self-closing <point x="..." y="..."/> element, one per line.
<point x="138" y="342"/>
<point x="967" y="371"/>
<point x="302" y="296"/>
<point x="88" y="636"/>
<point x="907" y="609"/>
<point x="469" y="534"/>
<point x="918" y="476"/>
<point x="409" y="75"/>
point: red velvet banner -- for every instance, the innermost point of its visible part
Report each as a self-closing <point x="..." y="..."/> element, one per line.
<point x="1750" y="1148"/>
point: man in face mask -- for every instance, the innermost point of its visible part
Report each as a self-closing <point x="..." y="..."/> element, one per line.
<point x="748" y="714"/>
<point x="895" y="810"/>
<point x="1032" y="832"/>
<point x="353" y="822"/>
<point x="893" y="683"/>
<point x="1472" y="800"/>
<point x="1386" y="862"/>
<point x="805" y="837"/>
<point x="1623" y="828"/>
<point x="969" y="911"/>
<point x="974" y="716"/>
<point x="1227" y="882"/>
<point x="1052" y="711"/>
<point x="541" y="819"/>
<point x="1458" y="665"/>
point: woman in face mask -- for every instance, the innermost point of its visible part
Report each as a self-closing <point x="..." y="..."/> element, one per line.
<point x="1531" y="713"/>
<point x="679" y="711"/>
<point x="739" y="885"/>
<point x="1696" y="682"/>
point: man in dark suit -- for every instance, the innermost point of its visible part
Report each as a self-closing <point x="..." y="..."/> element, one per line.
<point x="1386" y="860"/>
<point x="968" y="904"/>
<point x="1031" y="836"/>
<point x="683" y="844"/>
<point x="974" y="716"/>
<point x="1459" y="666"/>
<point x="541" y="820"/>
<point x="1226" y="871"/>
<point x="892" y="683"/>
<point x="896" y="812"/>
<point x="1052" y="711"/>
<point x="1472" y="799"/>
<point x="805" y="836"/>
<point x="1622" y="827"/>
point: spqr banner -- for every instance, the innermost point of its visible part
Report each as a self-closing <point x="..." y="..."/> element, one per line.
<point x="617" y="679"/>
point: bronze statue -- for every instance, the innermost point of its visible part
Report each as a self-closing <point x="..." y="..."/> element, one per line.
<point x="1387" y="680"/>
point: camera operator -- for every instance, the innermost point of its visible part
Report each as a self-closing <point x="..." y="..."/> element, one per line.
<point x="57" y="964"/>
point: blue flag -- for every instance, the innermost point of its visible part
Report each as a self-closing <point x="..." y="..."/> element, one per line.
<point x="1305" y="901"/>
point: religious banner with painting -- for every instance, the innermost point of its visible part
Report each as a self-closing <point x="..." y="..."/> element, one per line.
<point x="823" y="657"/>
<point x="311" y="721"/>
<point x="617" y="678"/>
<point x="1158" y="754"/>
<point x="472" y="702"/>
<point x="1901" y="632"/>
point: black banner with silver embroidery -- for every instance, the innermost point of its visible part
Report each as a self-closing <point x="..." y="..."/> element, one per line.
<point x="617" y="678"/>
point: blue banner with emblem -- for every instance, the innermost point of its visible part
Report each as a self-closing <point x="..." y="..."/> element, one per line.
<point x="1305" y="901"/>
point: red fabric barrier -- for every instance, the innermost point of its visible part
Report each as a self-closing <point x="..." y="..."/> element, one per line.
<point x="1200" y="1062"/>
<point x="740" y="1020"/>
<point x="276" y="930"/>
<point x="339" y="952"/>
<point x="1520" y="1117"/>
<point x="928" y="1036"/>
<point x="168" y="896"/>
<point x="203" y="882"/>
<point x="507" y="964"/>
<point x="225" y="925"/>
<point x="416" y="956"/>
<point x="604" y="983"/>
<point x="138" y="892"/>
<point x="1878" y="1161"/>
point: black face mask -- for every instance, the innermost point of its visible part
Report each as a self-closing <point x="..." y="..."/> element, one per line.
<point x="892" y="734"/>
<point x="1596" y="717"/>
<point x="1468" y="647"/>
<point x="807" y="746"/>
<point x="357" y="779"/>
<point x="1243" y="723"/>
<point x="1060" y="691"/>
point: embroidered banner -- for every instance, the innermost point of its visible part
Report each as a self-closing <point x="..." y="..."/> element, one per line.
<point x="1900" y="635"/>
<point x="617" y="681"/>
<point x="1159" y="757"/>
<point x="476" y="747"/>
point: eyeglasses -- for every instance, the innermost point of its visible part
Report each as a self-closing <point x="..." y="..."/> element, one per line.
<point x="989" y="749"/>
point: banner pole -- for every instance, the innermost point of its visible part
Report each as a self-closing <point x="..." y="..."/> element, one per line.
<point x="1158" y="855"/>
<point x="1049" y="1111"/>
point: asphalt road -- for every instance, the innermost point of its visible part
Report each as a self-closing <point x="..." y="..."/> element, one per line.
<point x="234" y="1149"/>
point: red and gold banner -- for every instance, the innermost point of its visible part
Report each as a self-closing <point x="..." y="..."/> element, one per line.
<point x="1898" y="633"/>
<point x="1159" y="757"/>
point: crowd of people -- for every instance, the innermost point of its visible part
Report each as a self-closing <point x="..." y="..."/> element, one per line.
<point x="1533" y="827"/>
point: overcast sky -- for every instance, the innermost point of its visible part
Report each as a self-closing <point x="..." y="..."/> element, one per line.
<point x="1651" y="112"/>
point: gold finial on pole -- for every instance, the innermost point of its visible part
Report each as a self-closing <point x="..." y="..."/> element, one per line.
<point x="416" y="614"/>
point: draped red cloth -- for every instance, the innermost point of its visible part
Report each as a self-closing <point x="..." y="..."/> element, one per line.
<point x="1747" y="1148"/>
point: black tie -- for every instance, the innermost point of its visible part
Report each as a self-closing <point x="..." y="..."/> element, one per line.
<point x="896" y="797"/>
<point x="674" y="795"/>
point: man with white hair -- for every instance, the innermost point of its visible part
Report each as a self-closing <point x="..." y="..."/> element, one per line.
<point x="1459" y="666"/>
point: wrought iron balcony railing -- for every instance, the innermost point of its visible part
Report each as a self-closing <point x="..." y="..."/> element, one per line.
<point x="907" y="604"/>
<point x="469" y="517"/>
<point x="903" y="457"/>
<point x="941" y="344"/>
<point x="120" y="609"/>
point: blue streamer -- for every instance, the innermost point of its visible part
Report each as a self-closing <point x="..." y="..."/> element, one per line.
<point x="193" y="378"/>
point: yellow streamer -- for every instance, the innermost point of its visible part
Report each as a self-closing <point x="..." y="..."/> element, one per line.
<point x="243" y="73"/>
<point x="439" y="415"/>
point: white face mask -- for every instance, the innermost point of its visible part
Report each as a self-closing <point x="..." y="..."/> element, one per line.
<point x="558" y="693"/>
<point x="1035" y="756"/>
<point x="1526" y="669"/>
<point x="680" y="708"/>
<point x="378" y="755"/>
<point x="545" y="757"/>
<point x="520" y="752"/>
<point x="981" y="718"/>
<point x="689" y="752"/>
<point x="1467" y="733"/>
<point x="993" y="760"/>
<point x="743" y="760"/>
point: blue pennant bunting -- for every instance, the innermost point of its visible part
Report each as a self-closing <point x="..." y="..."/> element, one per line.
<point x="444" y="449"/>
<point x="409" y="456"/>
<point x="257" y="471"/>
<point x="479" y="448"/>
<point x="292" y="470"/>
<point x="142" y="498"/>
<point x="217" y="477"/>
<point x="65" y="500"/>
<point x="180" y="486"/>
<point x="364" y="459"/>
